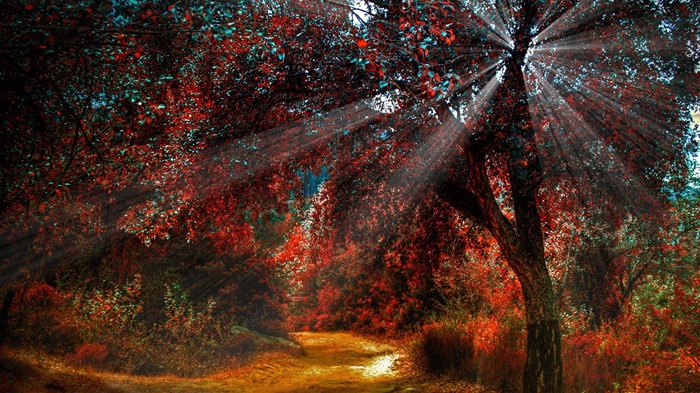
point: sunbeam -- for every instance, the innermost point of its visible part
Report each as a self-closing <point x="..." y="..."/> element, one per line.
<point x="610" y="102"/>
<point x="575" y="141"/>
<point x="244" y="159"/>
<point x="583" y="12"/>
<point x="496" y="27"/>
<point x="617" y="100"/>
<point x="402" y="186"/>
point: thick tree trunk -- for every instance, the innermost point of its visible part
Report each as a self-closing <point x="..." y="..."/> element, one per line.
<point x="525" y="249"/>
<point x="521" y="240"/>
<point x="543" y="364"/>
<point x="525" y="254"/>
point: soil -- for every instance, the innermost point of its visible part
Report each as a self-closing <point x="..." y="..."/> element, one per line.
<point x="331" y="362"/>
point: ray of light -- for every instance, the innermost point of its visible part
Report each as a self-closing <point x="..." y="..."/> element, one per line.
<point x="576" y="16"/>
<point x="634" y="98"/>
<point x="470" y="112"/>
<point x="551" y="10"/>
<point x="481" y="73"/>
<point x="630" y="109"/>
<point x="610" y="39"/>
<point x="394" y="192"/>
<point x="569" y="127"/>
<point x="497" y="30"/>
<point x="509" y="17"/>
<point x="406" y="183"/>
<point x="247" y="157"/>
<point x="571" y="138"/>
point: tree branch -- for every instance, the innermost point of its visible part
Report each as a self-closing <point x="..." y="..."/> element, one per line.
<point x="463" y="201"/>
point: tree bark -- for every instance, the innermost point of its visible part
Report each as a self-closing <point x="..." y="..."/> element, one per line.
<point x="543" y="365"/>
<point x="523" y="248"/>
<point x="521" y="241"/>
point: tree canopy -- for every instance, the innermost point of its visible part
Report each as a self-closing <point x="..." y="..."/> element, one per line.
<point x="382" y="123"/>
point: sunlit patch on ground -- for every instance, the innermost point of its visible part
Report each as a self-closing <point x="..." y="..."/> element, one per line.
<point x="318" y="370"/>
<point x="371" y="347"/>
<point x="380" y="366"/>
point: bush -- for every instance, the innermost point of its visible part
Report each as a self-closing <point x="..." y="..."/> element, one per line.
<point x="446" y="349"/>
<point x="624" y="357"/>
<point x="111" y="317"/>
<point x="487" y="349"/>
<point x="500" y="351"/>
<point x="89" y="355"/>
<point x="586" y="367"/>
<point x="677" y="371"/>
<point x="185" y="339"/>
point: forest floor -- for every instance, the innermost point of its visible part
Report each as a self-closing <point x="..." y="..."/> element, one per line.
<point x="331" y="362"/>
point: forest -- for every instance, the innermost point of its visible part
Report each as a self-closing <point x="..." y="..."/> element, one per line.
<point x="485" y="195"/>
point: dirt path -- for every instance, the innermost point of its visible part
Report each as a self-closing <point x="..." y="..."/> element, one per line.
<point x="332" y="362"/>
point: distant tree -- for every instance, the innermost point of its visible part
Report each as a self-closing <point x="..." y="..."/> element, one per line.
<point x="525" y="95"/>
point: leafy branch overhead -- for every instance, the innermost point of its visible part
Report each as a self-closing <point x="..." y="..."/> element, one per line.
<point x="350" y="164"/>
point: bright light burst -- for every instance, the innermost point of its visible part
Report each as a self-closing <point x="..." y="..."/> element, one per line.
<point x="600" y="95"/>
<point x="233" y="163"/>
<point x="583" y="86"/>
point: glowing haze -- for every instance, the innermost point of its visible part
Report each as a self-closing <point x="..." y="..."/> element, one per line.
<point x="582" y="86"/>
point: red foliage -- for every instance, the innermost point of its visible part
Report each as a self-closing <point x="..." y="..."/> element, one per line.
<point x="39" y="296"/>
<point x="89" y="355"/>
<point x="187" y="131"/>
<point x="499" y="346"/>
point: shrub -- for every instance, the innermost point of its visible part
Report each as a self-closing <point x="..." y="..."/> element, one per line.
<point x="446" y="349"/>
<point x="89" y="355"/>
<point x="111" y="317"/>
<point x="629" y="356"/>
<point x="586" y="366"/>
<point x="499" y="351"/>
<point x="677" y="371"/>
<point x="651" y="348"/>
<point x="487" y="349"/>
<point x="38" y="322"/>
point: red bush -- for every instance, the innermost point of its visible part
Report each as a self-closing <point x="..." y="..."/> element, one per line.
<point x="588" y="364"/>
<point x="500" y="351"/>
<point x="446" y="349"/>
<point x="90" y="355"/>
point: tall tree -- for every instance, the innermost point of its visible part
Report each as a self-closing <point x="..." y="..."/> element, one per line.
<point x="489" y="104"/>
<point x="594" y="91"/>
